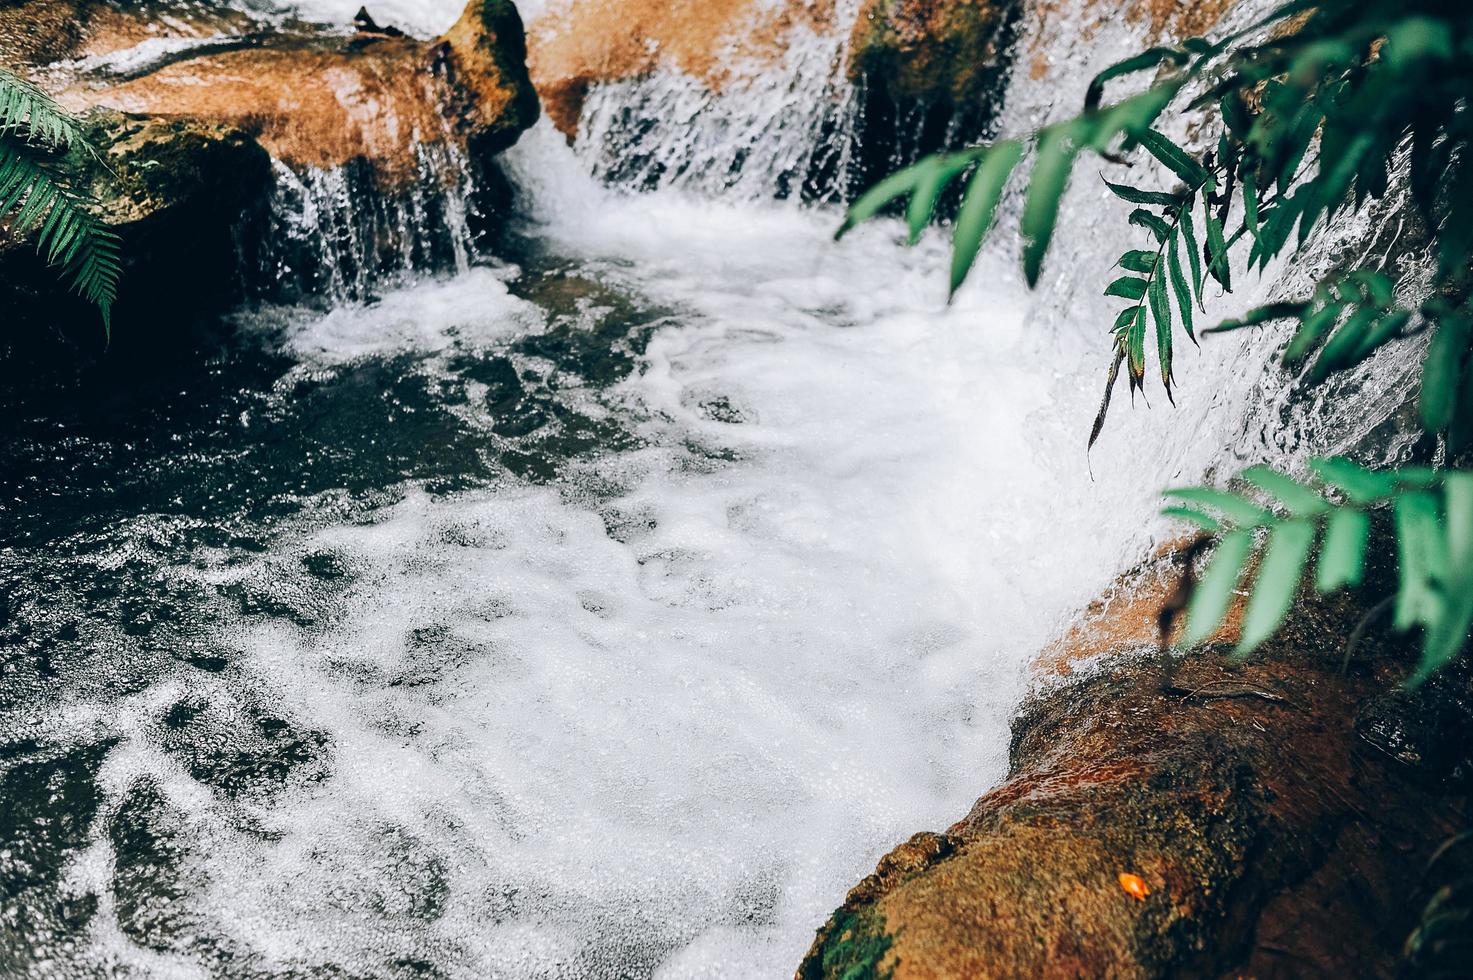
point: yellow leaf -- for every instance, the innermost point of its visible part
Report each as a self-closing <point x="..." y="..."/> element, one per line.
<point x="1134" y="886"/>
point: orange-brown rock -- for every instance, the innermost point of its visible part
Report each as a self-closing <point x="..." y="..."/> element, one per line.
<point x="1050" y="22"/>
<point x="37" y="33"/>
<point x="577" y="44"/>
<point x="1191" y="817"/>
<point x="323" y="99"/>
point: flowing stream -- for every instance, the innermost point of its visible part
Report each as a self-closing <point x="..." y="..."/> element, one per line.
<point x="605" y="609"/>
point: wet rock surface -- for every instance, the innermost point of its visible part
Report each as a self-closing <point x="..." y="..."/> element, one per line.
<point x="1184" y="817"/>
<point x="323" y="97"/>
<point x="927" y="68"/>
<point x="213" y="125"/>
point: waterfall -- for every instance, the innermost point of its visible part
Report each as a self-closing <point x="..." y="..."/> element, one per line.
<point x="335" y="234"/>
<point x="605" y="603"/>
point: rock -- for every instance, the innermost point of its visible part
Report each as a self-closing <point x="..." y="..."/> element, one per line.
<point x="71" y="33"/>
<point x="176" y="192"/>
<point x="930" y="71"/>
<point x="1162" y="817"/>
<point x="945" y="53"/>
<point x="578" y="44"/>
<point x="320" y="99"/>
<point x="190" y="127"/>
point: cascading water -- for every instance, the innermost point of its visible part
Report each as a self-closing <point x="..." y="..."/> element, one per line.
<point x="332" y="233"/>
<point x="603" y="612"/>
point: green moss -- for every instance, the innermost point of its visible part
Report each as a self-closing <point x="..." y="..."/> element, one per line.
<point x="855" y="944"/>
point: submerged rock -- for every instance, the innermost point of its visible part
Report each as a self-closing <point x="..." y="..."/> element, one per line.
<point x="1167" y="816"/>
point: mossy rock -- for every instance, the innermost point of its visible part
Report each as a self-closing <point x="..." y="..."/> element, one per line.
<point x="177" y="193"/>
<point x="1189" y="816"/>
<point x="934" y="51"/>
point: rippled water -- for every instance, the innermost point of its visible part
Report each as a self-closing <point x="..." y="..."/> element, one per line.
<point x="598" y="615"/>
<point x="605" y="610"/>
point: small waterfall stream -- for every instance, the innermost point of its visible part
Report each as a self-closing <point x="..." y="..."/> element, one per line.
<point x="601" y="607"/>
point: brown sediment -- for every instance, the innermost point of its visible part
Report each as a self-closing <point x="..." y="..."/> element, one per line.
<point x="1258" y="804"/>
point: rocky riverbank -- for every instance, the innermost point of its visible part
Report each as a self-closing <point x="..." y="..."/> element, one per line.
<point x="1184" y="815"/>
<point x="197" y="113"/>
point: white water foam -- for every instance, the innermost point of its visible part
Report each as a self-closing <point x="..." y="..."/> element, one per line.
<point x="660" y="729"/>
<point x="668" y="748"/>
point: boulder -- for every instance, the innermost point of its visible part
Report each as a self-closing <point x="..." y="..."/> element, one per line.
<point x="945" y="53"/>
<point x="177" y="192"/>
<point x="320" y="99"/>
<point x="578" y="44"/>
<point x="193" y="107"/>
<point x="1171" y="816"/>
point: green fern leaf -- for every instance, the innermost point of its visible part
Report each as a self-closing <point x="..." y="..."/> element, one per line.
<point x="1343" y="555"/>
<point x="1278" y="577"/>
<point x="1214" y="594"/>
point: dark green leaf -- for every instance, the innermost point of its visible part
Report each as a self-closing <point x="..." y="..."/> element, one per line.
<point x="1144" y="61"/>
<point x="1135" y="342"/>
<point x="1138" y="261"/>
<point x="1204" y="521"/>
<point x="1422" y="556"/>
<point x="1238" y="509"/>
<point x="1443" y="369"/>
<point x="1154" y="223"/>
<point x="1340" y="350"/>
<point x="1217" y="265"/>
<point x="1194" y="252"/>
<point x="1259" y="316"/>
<point x="874" y="200"/>
<point x="933" y="177"/>
<point x="1127" y="287"/>
<point x="1360" y="485"/>
<point x="1041" y="209"/>
<point x="1180" y="288"/>
<point x="979" y="206"/>
<point x="1134" y="195"/>
<point x="1161" y="314"/>
<point x="1297" y="498"/>
<point x="1177" y="160"/>
<point x="1312" y="332"/>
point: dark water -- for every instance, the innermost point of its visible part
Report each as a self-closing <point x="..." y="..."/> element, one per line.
<point x="198" y="458"/>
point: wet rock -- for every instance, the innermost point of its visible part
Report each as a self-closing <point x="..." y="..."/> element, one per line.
<point x="176" y="192"/>
<point x="1168" y="816"/>
<point x="937" y="60"/>
<point x="320" y="98"/>
<point x="191" y="105"/>
<point x="583" y="43"/>
<point x="70" y="34"/>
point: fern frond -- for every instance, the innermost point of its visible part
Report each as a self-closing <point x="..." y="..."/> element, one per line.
<point x="1328" y="519"/>
<point x="70" y="236"/>
<point x="37" y="197"/>
<point x="29" y="114"/>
